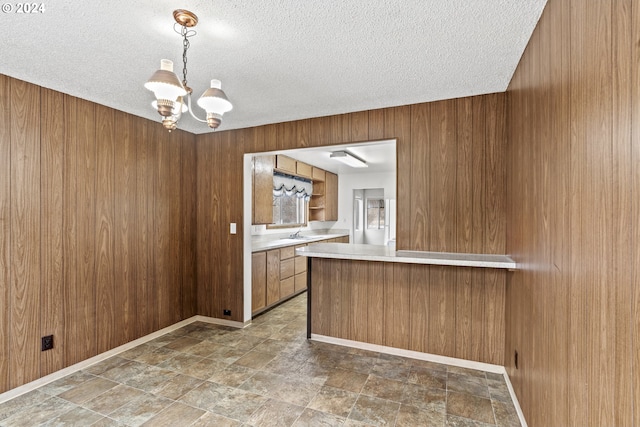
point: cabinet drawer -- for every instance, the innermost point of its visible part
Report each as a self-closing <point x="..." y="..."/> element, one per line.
<point x="287" y="269"/>
<point x="300" y="281"/>
<point x="301" y="264"/>
<point x="287" y="287"/>
<point x="288" y="252"/>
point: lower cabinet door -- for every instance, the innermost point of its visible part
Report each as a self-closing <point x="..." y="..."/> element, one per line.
<point x="258" y="280"/>
<point x="287" y="287"/>
<point x="301" y="281"/>
<point x="273" y="276"/>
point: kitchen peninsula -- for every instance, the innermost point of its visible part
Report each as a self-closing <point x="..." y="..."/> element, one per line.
<point x="406" y="300"/>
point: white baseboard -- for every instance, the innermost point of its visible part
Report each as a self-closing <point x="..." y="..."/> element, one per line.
<point x="18" y="391"/>
<point x="462" y="363"/>
<point x="223" y="322"/>
<point x="514" y="398"/>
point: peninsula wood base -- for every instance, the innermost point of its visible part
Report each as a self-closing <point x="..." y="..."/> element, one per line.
<point x="450" y="311"/>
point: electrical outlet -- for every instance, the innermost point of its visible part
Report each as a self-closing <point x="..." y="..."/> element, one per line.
<point x="226" y="312"/>
<point x="515" y="358"/>
<point x="47" y="342"/>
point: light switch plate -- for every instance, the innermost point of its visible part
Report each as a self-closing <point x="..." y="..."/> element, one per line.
<point x="232" y="228"/>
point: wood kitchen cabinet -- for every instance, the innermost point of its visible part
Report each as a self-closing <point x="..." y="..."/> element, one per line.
<point x="303" y="169"/>
<point x="279" y="274"/>
<point x="273" y="277"/>
<point x="331" y="197"/>
<point x="258" y="281"/>
<point x="262" y="183"/>
<point x="323" y="205"/>
<point x="285" y="164"/>
<point x="317" y="202"/>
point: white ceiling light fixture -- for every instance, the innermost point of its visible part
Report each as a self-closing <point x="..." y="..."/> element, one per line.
<point x="349" y="159"/>
<point x="170" y="92"/>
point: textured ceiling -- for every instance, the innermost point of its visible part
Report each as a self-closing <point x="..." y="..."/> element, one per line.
<point x="278" y="60"/>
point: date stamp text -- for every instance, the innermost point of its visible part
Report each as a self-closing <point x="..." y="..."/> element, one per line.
<point x="23" y="8"/>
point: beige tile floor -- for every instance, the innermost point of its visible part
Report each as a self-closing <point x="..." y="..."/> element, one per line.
<point x="267" y="374"/>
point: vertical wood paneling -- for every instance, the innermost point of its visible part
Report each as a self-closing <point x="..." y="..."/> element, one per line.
<point x="572" y="138"/>
<point x="420" y="156"/>
<point x="342" y="299"/>
<point x="635" y="225"/>
<point x="464" y="215"/>
<point x="205" y="228"/>
<point x="339" y="296"/>
<point x="359" y="126"/>
<point x="78" y="250"/>
<point x="188" y="218"/>
<point x="495" y="221"/>
<point x="168" y="228"/>
<point x="25" y="233"/>
<point x="359" y="291"/>
<point x="442" y="170"/>
<point x="70" y="259"/>
<point x="558" y="59"/>
<point x="419" y="314"/>
<point x="104" y="240"/>
<point x="162" y="223"/>
<point x="51" y="219"/>
<point x="145" y="227"/>
<point x="5" y="231"/>
<point x="85" y="292"/>
<point x="270" y="137"/>
<point x="404" y="175"/>
<point x="620" y="310"/>
<point x="375" y="301"/>
<point x="397" y="294"/>
<point x="478" y="223"/>
<point x="125" y="225"/>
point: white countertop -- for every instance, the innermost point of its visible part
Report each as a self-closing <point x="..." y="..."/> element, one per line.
<point x="388" y="254"/>
<point x="284" y="242"/>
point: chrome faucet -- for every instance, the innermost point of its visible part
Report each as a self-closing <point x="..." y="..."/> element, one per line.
<point x="295" y="235"/>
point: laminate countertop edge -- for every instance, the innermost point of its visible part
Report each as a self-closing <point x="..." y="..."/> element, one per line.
<point x="284" y="242"/>
<point x="359" y="252"/>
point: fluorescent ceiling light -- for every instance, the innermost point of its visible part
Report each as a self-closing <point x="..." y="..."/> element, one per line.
<point x="349" y="159"/>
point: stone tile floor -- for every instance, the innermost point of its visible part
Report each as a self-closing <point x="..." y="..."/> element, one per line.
<point x="267" y="374"/>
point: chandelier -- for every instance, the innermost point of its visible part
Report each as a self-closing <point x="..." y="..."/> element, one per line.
<point x="170" y="93"/>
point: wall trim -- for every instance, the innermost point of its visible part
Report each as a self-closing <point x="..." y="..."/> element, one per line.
<point x="223" y="322"/>
<point x="25" y="388"/>
<point x="514" y="398"/>
<point x="453" y="361"/>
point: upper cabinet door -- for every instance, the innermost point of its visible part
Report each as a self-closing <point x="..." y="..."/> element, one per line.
<point x="331" y="197"/>
<point x="286" y="164"/>
<point x="262" y="209"/>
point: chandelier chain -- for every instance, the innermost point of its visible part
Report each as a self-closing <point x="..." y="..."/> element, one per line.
<point x="185" y="46"/>
<point x="185" y="33"/>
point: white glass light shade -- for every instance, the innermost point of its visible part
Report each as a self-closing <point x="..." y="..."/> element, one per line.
<point x="164" y="83"/>
<point x="214" y="100"/>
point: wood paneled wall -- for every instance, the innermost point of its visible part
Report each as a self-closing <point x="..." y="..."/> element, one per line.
<point x="405" y="306"/>
<point x="451" y="193"/>
<point x="97" y="229"/>
<point x="573" y="217"/>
